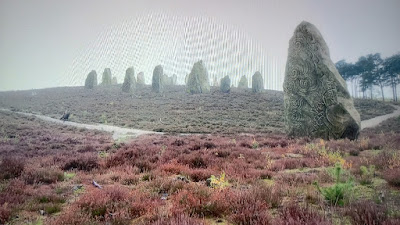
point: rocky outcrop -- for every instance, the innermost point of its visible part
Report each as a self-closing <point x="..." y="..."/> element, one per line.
<point x="225" y="85"/>
<point x="106" y="78"/>
<point x="257" y="83"/>
<point x="140" y="79"/>
<point x="157" y="83"/>
<point x="198" y="79"/>
<point x="129" y="84"/>
<point x="317" y="102"/>
<point x="243" y="83"/>
<point x="91" y="80"/>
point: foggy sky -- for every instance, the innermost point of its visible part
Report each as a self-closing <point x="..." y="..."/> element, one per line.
<point x="40" y="39"/>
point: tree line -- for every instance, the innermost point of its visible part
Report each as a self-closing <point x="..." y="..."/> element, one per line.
<point x="372" y="70"/>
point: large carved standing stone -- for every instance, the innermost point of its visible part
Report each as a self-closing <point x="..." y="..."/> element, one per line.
<point x="106" y="78"/>
<point x="257" y="83"/>
<point x="225" y="84"/>
<point x="140" y="79"/>
<point x="91" y="80"/>
<point x="129" y="84"/>
<point x="317" y="103"/>
<point x="198" y="79"/>
<point x="157" y="83"/>
<point x="243" y="83"/>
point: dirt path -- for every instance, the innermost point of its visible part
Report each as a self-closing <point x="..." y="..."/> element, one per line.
<point x="379" y="119"/>
<point x="118" y="133"/>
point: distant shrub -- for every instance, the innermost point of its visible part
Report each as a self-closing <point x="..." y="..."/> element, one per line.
<point x="366" y="212"/>
<point x="115" y="204"/>
<point x="85" y="163"/>
<point x="11" y="168"/>
<point x="43" y="175"/>
<point x="219" y="182"/>
<point x="367" y="174"/>
<point x="247" y="209"/>
<point x="5" y="214"/>
<point x="296" y="215"/>
<point x="182" y="219"/>
<point x="197" y="175"/>
<point x="209" y="145"/>
<point x="199" y="201"/>
<point x="392" y="176"/>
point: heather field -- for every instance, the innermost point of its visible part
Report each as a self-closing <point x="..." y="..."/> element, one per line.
<point x="240" y="111"/>
<point x="58" y="174"/>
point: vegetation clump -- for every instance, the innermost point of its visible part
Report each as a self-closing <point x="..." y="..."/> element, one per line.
<point x="337" y="194"/>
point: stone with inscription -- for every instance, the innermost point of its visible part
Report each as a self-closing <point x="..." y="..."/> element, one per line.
<point x="316" y="100"/>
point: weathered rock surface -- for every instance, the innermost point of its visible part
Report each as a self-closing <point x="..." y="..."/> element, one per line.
<point x="157" y="83"/>
<point x="91" y="80"/>
<point x="257" y="84"/>
<point x="198" y="79"/>
<point x="129" y="84"/>
<point x="106" y="78"/>
<point x="225" y="85"/>
<point x="243" y="83"/>
<point x="317" y="102"/>
<point x="140" y="79"/>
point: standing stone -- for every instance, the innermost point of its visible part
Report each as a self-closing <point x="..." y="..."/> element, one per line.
<point x="225" y="84"/>
<point x="140" y="79"/>
<point x="317" y="102"/>
<point x="114" y="81"/>
<point x="243" y="83"/>
<point x="168" y="81"/>
<point x="157" y="81"/>
<point x="106" y="79"/>
<point x="129" y="84"/>
<point x="198" y="79"/>
<point x="257" y="84"/>
<point x="91" y="80"/>
<point x="186" y="78"/>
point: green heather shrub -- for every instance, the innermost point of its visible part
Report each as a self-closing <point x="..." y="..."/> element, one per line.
<point x="338" y="193"/>
<point x="367" y="174"/>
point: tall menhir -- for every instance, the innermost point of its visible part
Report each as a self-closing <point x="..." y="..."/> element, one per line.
<point x="317" y="102"/>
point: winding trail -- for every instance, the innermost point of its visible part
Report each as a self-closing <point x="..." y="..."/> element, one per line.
<point x="119" y="133"/>
<point x="379" y="119"/>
